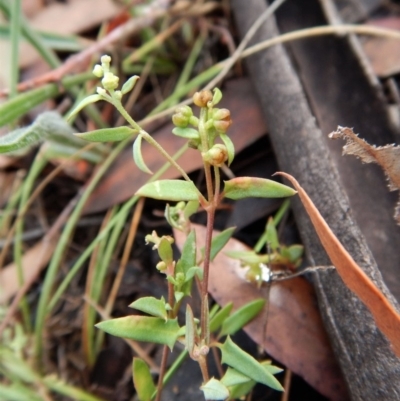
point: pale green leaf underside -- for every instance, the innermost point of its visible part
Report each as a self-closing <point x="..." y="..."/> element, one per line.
<point x="107" y="134"/>
<point x="152" y="306"/>
<point x="214" y="390"/>
<point x="143" y="328"/>
<point x="188" y="133"/>
<point x="142" y="380"/>
<point x="174" y="190"/>
<point x="138" y="157"/>
<point x="247" y="187"/>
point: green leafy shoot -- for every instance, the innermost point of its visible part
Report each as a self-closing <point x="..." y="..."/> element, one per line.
<point x="272" y="235"/>
<point x="244" y="363"/>
<point x="241" y="317"/>
<point x="219" y="241"/>
<point x="220" y="317"/>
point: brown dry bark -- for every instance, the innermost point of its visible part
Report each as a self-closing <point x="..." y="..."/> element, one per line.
<point x="370" y="368"/>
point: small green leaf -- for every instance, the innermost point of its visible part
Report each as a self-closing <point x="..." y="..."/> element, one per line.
<point x="241" y="317"/>
<point x="191" y="208"/>
<point x="187" y="261"/>
<point x="107" y="134"/>
<point x="244" y="363"/>
<point x="174" y="190"/>
<point x="137" y="155"/>
<point x="214" y="390"/>
<point x="188" y="256"/>
<point x="220" y="317"/>
<point x="142" y="380"/>
<point x="190" y="335"/>
<point x="219" y="241"/>
<point x="152" y="306"/>
<point x="178" y="296"/>
<point x="187" y="133"/>
<point x="247" y="187"/>
<point x="272" y="235"/>
<point x="248" y="257"/>
<point x="232" y="377"/>
<point x="85" y="102"/>
<point x="229" y="146"/>
<point x="129" y="84"/>
<point x="271" y="368"/>
<point x="293" y="252"/>
<point x="165" y="251"/>
<point x="143" y="328"/>
<point x="238" y="391"/>
<point x="194" y="271"/>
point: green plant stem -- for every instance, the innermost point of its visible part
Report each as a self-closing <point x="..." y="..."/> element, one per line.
<point x="154" y="143"/>
<point x="277" y="218"/>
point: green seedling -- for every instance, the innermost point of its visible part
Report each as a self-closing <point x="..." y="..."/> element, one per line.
<point x="280" y="261"/>
<point x="206" y="133"/>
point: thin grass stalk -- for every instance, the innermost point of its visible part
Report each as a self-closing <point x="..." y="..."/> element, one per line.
<point x="36" y="168"/>
<point x="32" y="37"/>
<point x="88" y="310"/>
<point x="105" y="261"/>
<point x="15" y="40"/>
<point x="43" y="306"/>
<point x="9" y="210"/>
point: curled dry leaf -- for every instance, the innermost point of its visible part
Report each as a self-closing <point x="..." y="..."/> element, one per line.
<point x="388" y="157"/>
<point x="289" y="328"/>
<point x="386" y="317"/>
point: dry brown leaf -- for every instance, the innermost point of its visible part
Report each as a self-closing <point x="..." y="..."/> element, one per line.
<point x="33" y="262"/>
<point x="388" y="157"/>
<point x="386" y="317"/>
<point x="290" y="327"/>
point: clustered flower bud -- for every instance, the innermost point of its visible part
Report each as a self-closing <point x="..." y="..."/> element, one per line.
<point x="182" y="116"/>
<point x="202" y="98"/>
<point x="221" y="120"/>
<point x="98" y="71"/>
<point x="110" y="81"/>
<point x="161" y="266"/>
<point x="217" y="155"/>
<point x="155" y="239"/>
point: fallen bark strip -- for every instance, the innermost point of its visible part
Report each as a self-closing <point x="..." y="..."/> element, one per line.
<point x="369" y="365"/>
